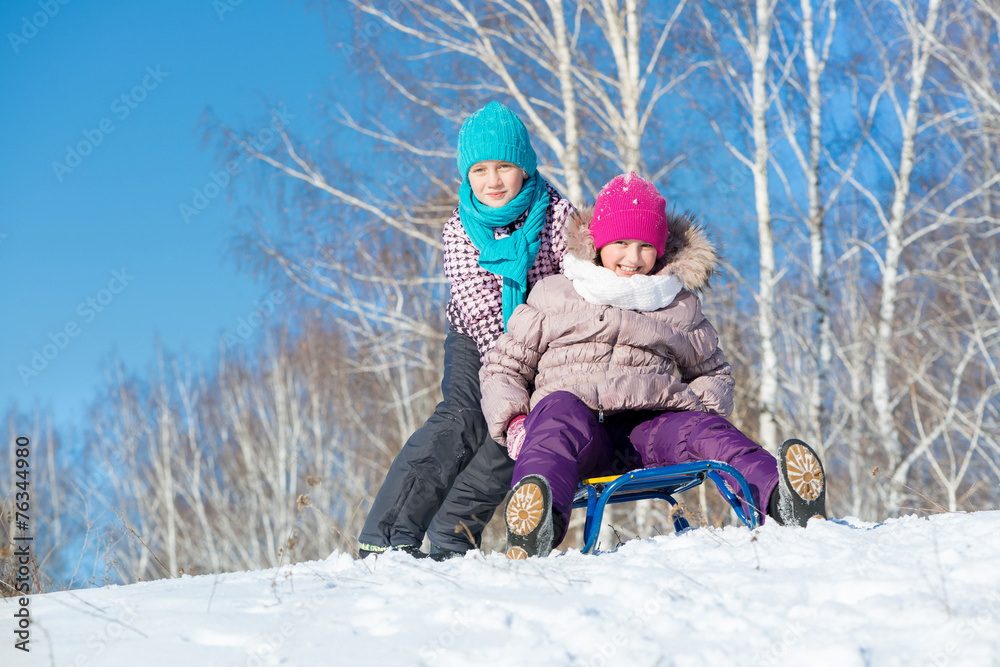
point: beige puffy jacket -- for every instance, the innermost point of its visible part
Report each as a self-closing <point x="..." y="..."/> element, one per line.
<point x="613" y="359"/>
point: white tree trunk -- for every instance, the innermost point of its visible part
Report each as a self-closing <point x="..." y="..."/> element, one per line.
<point x="760" y="55"/>
<point x="166" y="445"/>
<point x="882" y="399"/>
<point x="570" y="156"/>
<point x="623" y="33"/>
<point x="815" y="64"/>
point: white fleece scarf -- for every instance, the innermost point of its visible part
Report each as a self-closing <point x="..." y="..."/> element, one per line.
<point x="603" y="287"/>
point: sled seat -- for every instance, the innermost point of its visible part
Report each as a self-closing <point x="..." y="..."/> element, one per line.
<point x="663" y="483"/>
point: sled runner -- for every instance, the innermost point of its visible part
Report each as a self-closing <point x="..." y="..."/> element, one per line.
<point x="596" y="492"/>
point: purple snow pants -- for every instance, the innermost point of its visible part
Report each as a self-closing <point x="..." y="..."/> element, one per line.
<point x="566" y="443"/>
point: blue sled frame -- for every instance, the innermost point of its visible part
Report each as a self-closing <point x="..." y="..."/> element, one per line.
<point x="662" y="483"/>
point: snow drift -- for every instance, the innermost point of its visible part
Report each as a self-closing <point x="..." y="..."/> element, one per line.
<point x="909" y="591"/>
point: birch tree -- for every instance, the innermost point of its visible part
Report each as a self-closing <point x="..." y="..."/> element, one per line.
<point x="337" y="251"/>
<point x="491" y="39"/>
<point x="622" y="107"/>
<point x="816" y="54"/>
<point x="930" y="345"/>
<point x="247" y="467"/>
<point x="893" y="214"/>
<point x="55" y="531"/>
<point x="594" y="87"/>
<point x="751" y="28"/>
<point x="894" y="219"/>
<point x="955" y="403"/>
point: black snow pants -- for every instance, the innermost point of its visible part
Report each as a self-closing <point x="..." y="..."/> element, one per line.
<point x="450" y="457"/>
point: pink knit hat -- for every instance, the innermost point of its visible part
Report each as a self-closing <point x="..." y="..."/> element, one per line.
<point x="629" y="207"/>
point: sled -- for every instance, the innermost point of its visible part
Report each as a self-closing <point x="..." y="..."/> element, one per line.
<point x="663" y="483"/>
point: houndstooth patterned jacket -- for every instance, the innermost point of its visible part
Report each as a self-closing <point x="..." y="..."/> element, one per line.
<point x="475" y="308"/>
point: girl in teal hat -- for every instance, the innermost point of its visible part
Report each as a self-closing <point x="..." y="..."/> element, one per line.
<point x="505" y="235"/>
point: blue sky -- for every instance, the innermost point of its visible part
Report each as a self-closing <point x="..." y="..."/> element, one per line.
<point x="101" y="107"/>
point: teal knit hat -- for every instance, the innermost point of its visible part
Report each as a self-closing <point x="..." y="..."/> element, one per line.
<point x="495" y="133"/>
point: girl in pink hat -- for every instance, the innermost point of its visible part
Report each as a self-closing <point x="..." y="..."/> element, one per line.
<point x="613" y="366"/>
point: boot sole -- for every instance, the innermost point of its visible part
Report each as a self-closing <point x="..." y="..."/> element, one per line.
<point x="525" y="509"/>
<point x="527" y="515"/>
<point x="805" y="474"/>
<point x="517" y="553"/>
<point x="802" y="474"/>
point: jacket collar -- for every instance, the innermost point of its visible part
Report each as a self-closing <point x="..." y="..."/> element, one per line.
<point x="689" y="255"/>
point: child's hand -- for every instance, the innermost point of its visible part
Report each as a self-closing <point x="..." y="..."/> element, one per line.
<point x="515" y="436"/>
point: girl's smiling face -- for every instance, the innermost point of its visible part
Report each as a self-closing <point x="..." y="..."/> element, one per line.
<point x="628" y="257"/>
<point x="495" y="182"/>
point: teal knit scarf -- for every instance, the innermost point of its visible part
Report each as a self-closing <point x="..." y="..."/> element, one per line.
<point x="510" y="257"/>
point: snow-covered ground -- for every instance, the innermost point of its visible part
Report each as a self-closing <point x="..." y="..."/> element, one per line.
<point x="909" y="591"/>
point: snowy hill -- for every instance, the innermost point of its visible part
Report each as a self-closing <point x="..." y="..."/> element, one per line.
<point x="909" y="591"/>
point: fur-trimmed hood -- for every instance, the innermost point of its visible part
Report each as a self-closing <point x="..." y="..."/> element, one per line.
<point x="689" y="255"/>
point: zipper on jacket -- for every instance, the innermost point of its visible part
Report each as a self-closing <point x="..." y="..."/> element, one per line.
<point x="600" y="413"/>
